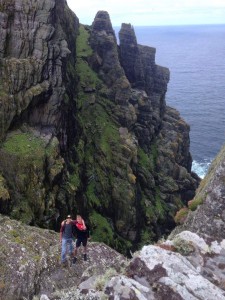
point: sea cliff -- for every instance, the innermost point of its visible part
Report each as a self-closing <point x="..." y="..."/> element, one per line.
<point x="188" y="265"/>
<point x="85" y="127"/>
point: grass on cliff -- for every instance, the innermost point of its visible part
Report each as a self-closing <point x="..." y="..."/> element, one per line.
<point x="24" y="144"/>
<point x="148" y="161"/>
<point x="93" y="116"/>
<point x="90" y="193"/>
<point x="87" y="76"/>
<point x="83" y="48"/>
<point x="102" y="231"/>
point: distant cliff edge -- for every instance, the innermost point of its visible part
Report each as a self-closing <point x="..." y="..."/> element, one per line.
<point x="84" y="127"/>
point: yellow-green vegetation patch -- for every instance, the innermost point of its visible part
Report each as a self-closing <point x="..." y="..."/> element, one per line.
<point x="15" y="236"/>
<point x="90" y="193"/>
<point x="108" y="131"/>
<point x="182" y="246"/>
<point x="4" y="193"/>
<point x="24" y="144"/>
<point x="14" y="233"/>
<point x="143" y="158"/>
<point x="37" y="258"/>
<point x="100" y="129"/>
<point x="83" y="48"/>
<point x="52" y="148"/>
<point x="102" y="231"/>
<point x="150" y="214"/>
<point x="73" y="182"/>
<point x="148" y="160"/>
<point x="86" y="75"/>
<point x="193" y="204"/>
<point x="103" y="279"/>
<point x="146" y="237"/>
<point x="181" y="215"/>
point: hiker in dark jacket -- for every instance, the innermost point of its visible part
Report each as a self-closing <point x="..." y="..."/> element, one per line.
<point x="66" y="238"/>
<point x="82" y="234"/>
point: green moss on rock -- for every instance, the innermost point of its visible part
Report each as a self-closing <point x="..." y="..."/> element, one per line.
<point x="83" y="48"/>
<point x="4" y="193"/>
<point x="144" y="159"/>
<point x="102" y="230"/>
<point x="24" y="145"/>
<point x="93" y="200"/>
<point x="181" y="215"/>
<point x="31" y="164"/>
<point x="193" y="204"/>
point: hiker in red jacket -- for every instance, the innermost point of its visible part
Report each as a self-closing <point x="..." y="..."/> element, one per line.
<point x="82" y="234"/>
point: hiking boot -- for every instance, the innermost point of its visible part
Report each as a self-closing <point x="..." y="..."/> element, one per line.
<point x="64" y="264"/>
<point x="74" y="260"/>
<point x="85" y="257"/>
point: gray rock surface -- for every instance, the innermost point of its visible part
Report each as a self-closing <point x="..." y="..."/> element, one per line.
<point x="30" y="263"/>
<point x="208" y="220"/>
<point x="33" y="47"/>
<point x="186" y="267"/>
<point x="164" y="271"/>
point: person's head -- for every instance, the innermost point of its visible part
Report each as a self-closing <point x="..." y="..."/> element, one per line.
<point x="79" y="219"/>
<point x="68" y="218"/>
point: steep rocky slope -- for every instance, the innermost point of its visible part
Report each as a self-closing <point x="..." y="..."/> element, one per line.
<point x="85" y="127"/>
<point x="184" y="268"/>
<point x="30" y="262"/>
<point x="37" y="43"/>
<point x="208" y="218"/>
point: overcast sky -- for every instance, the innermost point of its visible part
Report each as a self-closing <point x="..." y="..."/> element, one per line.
<point x="152" y="12"/>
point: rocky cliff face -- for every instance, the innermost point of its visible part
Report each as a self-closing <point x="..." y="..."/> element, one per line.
<point x="37" y="43"/>
<point x="207" y="218"/>
<point x="85" y="127"/>
<point x="150" y="174"/>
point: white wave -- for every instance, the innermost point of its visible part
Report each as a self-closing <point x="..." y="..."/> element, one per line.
<point x="201" y="168"/>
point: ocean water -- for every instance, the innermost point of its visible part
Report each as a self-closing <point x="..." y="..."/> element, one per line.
<point x="195" y="56"/>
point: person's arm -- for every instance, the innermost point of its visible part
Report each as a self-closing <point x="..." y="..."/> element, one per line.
<point x="84" y="226"/>
<point x="61" y="231"/>
<point x="60" y="234"/>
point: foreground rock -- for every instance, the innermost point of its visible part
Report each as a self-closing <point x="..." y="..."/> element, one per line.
<point x="184" y="268"/>
<point x="30" y="262"/>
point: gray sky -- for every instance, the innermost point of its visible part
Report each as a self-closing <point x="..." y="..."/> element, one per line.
<point x="152" y="12"/>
